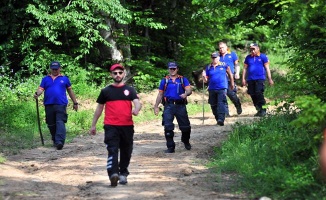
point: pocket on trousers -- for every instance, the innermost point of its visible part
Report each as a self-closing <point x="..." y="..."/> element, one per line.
<point x="65" y="118"/>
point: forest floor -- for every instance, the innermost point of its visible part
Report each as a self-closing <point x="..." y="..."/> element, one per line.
<point x="79" y="170"/>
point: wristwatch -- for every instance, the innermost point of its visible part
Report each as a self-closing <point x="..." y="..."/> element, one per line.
<point x="75" y="104"/>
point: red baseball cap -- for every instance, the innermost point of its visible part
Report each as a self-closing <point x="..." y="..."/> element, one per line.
<point x="116" y="66"/>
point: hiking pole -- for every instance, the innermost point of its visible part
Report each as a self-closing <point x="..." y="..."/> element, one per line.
<point x="203" y="101"/>
<point x="38" y="121"/>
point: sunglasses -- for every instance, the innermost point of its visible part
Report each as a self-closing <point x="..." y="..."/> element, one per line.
<point x="116" y="73"/>
<point x="54" y="69"/>
<point x="172" y="69"/>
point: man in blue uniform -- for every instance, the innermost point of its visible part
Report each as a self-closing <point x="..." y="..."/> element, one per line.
<point x="216" y="76"/>
<point x="231" y="59"/>
<point x="54" y="87"/>
<point x="256" y="67"/>
<point x="174" y="90"/>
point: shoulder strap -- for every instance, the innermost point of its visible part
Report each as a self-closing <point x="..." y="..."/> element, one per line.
<point x="166" y="82"/>
<point x="182" y="82"/>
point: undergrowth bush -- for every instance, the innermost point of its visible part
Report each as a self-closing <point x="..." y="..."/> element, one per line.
<point x="273" y="158"/>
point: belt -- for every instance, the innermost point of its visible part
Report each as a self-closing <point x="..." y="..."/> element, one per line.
<point x="176" y="101"/>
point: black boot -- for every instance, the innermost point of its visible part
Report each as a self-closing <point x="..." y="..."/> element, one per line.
<point x="169" y="150"/>
<point x="185" y="137"/>
<point x="169" y="141"/>
<point x="238" y="107"/>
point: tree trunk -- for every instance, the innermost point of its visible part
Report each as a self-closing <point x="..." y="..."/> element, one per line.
<point x="113" y="51"/>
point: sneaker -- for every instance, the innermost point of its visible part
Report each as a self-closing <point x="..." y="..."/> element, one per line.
<point x="114" y="179"/>
<point x="221" y="123"/>
<point x="169" y="150"/>
<point x="59" y="146"/>
<point x="187" y="145"/>
<point x="123" y="180"/>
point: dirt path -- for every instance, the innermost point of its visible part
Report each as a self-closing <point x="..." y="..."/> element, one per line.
<point x="79" y="170"/>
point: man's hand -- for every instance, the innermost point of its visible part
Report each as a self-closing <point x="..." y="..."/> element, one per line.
<point x="156" y="110"/>
<point x="184" y="95"/>
<point x="271" y="82"/>
<point x="35" y="95"/>
<point x="232" y="86"/>
<point x="134" y="112"/>
<point x="75" y="107"/>
<point x="92" y="131"/>
<point x="244" y="82"/>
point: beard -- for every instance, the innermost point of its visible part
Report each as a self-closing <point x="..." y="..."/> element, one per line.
<point x="118" y="79"/>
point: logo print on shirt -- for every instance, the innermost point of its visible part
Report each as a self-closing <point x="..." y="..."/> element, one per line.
<point x="126" y="92"/>
<point x="61" y="81"/>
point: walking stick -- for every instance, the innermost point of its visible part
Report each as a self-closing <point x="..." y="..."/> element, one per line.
<point x="39" y="122"/>
<point x="203" y="101"/>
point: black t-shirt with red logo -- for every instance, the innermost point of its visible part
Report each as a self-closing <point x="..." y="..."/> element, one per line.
<point x="118" y="104"/>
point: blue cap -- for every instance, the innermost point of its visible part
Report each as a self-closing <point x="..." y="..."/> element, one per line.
<point x="253" y="45"/>
<point x="172" y="65"/>
<point x="55" y="65"/>
<point x="214" y="55"/>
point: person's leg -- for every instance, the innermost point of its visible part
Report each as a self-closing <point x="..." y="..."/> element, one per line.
<point x="184" y="124"/>
<point x="168" y="117"/>
<point x="227" y="112"/>
<point x="51" y="121"/>
<point x="221" y="99"/>
<point x="252" y="93"/>
<point x="61" y="119"/>
<point x="212" y="100"/>
<point x="126" y="147"/>
<point x="232" y="94"/>
<point x="112" y="141"/>
<point x="259" y="91"/>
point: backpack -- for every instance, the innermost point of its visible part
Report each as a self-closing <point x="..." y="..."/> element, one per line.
<point x="166" y="84"/>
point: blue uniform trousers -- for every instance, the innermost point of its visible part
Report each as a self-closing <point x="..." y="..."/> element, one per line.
<point x="256" y="91"/>
<point x="180" y="112"/>
<point x="56" y="117"/>
<point x="232" y="94"/>
<point x="217" y="100"/>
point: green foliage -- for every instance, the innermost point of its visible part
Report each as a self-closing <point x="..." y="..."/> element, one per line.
<point x="16" y="130"/>
<point x="146" y="76"/>
<point x="82" y="80"/>
<point x="79" y="122"/>
<point x="144" y="82"/>
<point x="306" y="23"/>
<point x="2" y="159"/>
<point x="313" y="112"/>
<point x="281" y="162"/>
<point x="146" y="114"/>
